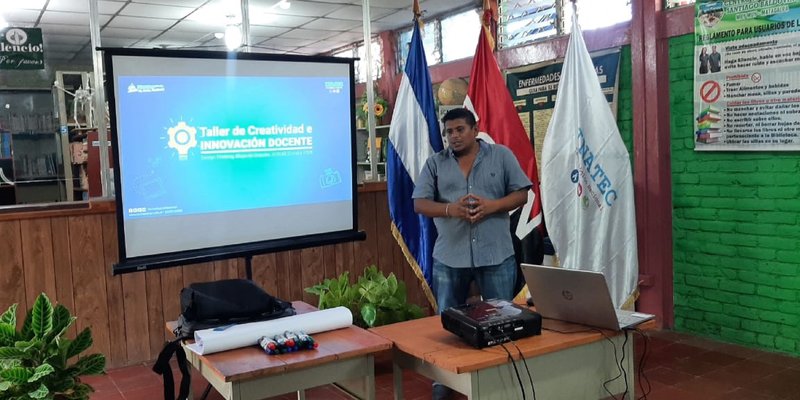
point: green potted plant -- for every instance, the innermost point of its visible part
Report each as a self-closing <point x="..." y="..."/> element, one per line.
<point x="35" y="361"/>
<point x="375" y="299"/>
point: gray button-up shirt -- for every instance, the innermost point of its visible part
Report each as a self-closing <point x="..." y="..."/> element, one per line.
<point x="495" y="174"/>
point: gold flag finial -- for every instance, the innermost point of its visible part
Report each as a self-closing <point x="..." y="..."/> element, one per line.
<point x="489" y="20"/>
<point x="417" y="14"/>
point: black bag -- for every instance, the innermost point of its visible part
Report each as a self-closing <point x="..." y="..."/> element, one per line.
<point x="208" y="305"/>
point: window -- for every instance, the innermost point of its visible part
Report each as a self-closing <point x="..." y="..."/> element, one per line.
<point x="678" y="3"/>
<point x="359" y="52"/>
<point x="597" y="14"/>
<point x="523" y="21"/>
<point x="377" y="61"/>
<point x="430" y="31"/>
<point x="460" y="35"/>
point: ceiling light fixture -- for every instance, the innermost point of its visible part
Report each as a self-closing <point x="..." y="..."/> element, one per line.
<point x="233" y="37"/>
<point x="284" y="4"/>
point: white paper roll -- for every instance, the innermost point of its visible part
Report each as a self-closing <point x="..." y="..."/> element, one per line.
<point x="209" y="341"/>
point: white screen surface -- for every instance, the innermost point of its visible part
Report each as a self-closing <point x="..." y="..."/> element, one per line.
<point x="217" y="153"/>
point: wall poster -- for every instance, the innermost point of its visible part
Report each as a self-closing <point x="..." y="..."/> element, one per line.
<point x="747" y="75"/>
<point x="21" y="48"/>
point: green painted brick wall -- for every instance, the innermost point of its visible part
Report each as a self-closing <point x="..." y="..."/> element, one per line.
<point x="625" y="100"/>
<point x="736" y="230"/>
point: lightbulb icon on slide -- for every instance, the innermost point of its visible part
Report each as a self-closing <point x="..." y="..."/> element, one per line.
<point x="182" y="138"/>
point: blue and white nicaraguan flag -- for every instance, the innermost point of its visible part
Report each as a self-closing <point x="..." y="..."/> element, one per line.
<point x="413" y="137"/>
<point x="587" y="185"/>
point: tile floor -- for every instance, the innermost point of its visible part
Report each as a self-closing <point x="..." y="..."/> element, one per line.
<point x="678" y="367"/>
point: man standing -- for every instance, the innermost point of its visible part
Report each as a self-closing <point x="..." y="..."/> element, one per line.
<point x="468" y="189"/>
<point x="715" y="60"/>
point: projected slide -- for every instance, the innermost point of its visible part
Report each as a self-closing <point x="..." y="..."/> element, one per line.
<point x="211" y="144"/>
<point x="220" y="155"/>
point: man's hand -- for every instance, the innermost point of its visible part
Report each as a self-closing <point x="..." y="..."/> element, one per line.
<point x="477" y="207"/>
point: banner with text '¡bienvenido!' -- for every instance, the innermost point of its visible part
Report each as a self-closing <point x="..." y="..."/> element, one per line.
<point x="747" y="75"/>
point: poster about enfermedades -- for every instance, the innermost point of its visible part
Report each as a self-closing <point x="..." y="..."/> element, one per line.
<point x="534" y="90"/>
<point x="747" y="75"/>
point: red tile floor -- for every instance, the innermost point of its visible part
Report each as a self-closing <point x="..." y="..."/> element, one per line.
<point x="678" y="367"/>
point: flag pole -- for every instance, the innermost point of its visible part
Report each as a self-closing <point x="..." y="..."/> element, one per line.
<point x="370" y="88"/>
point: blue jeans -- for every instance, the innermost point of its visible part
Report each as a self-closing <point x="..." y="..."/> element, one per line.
<point x="451" y="285"/>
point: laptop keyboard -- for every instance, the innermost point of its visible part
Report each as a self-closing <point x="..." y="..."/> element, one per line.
<point x="626" y="319"/>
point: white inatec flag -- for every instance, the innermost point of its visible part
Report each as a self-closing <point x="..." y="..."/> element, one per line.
<point x="587" y="185"/>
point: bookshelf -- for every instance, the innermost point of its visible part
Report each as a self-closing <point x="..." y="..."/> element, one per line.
<point x="7" y="189"/>
<point x="38" y="168"/>
<point x="363" y="163"/>
<point x="74" y="127"/>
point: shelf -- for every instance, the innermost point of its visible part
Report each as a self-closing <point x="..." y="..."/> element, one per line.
<point x="33" y="136"/>
<point x="77" y="136"/>
<point x="376" y="128"/>
<point x="36" y="179"/>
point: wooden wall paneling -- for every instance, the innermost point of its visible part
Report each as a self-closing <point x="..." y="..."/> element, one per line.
<point x="37" y="259"/>
<point x="281" y="277"/>
<point x="330" y="262"/>
<point x="228" y="269"/>
<point x="84" y="246"/>
<point x="365" y="251"/>
<point x="383" y="236"/>
<point x="312" y="271"/>
<point x="134" y="295"/>
<point x="264" y="273"/>
<point x="344" y="259"/>
<point x="62" y="265"/>
<point x="241" y="271"/>
<point x="294" y="274"/>
<point x="116" y="305"/>
<point x="12" y="275"/>
<point x="155" y="312"/>
<point x="413" y="292"/>
<point x="328" y="268"/>
<point x="171" y="285"/>
<point x="89" y="279"/>
<point x="403" y="270"/>
<point x="201" y="272"/>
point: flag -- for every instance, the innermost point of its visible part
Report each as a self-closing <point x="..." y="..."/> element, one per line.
<point x="587" y="185"/>
<point x="413" y="137"/>
<point x="498" y="122"/>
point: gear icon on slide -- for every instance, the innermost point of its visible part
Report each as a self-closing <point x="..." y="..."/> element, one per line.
<point x="182" y="138"/>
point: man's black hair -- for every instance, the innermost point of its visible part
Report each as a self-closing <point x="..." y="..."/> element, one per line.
<point x="459" y="113"/>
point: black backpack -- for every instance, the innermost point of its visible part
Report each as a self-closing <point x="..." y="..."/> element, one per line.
<point x="208" y="305"/>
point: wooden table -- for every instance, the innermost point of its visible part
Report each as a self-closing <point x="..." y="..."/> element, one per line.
<point x="249" y="373"/>
<point x="569" y="366"/>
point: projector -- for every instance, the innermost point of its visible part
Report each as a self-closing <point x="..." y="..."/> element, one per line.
<point x="490" y="322"/>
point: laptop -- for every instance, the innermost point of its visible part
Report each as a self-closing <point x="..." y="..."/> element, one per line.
<point x="577" y="296"/>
